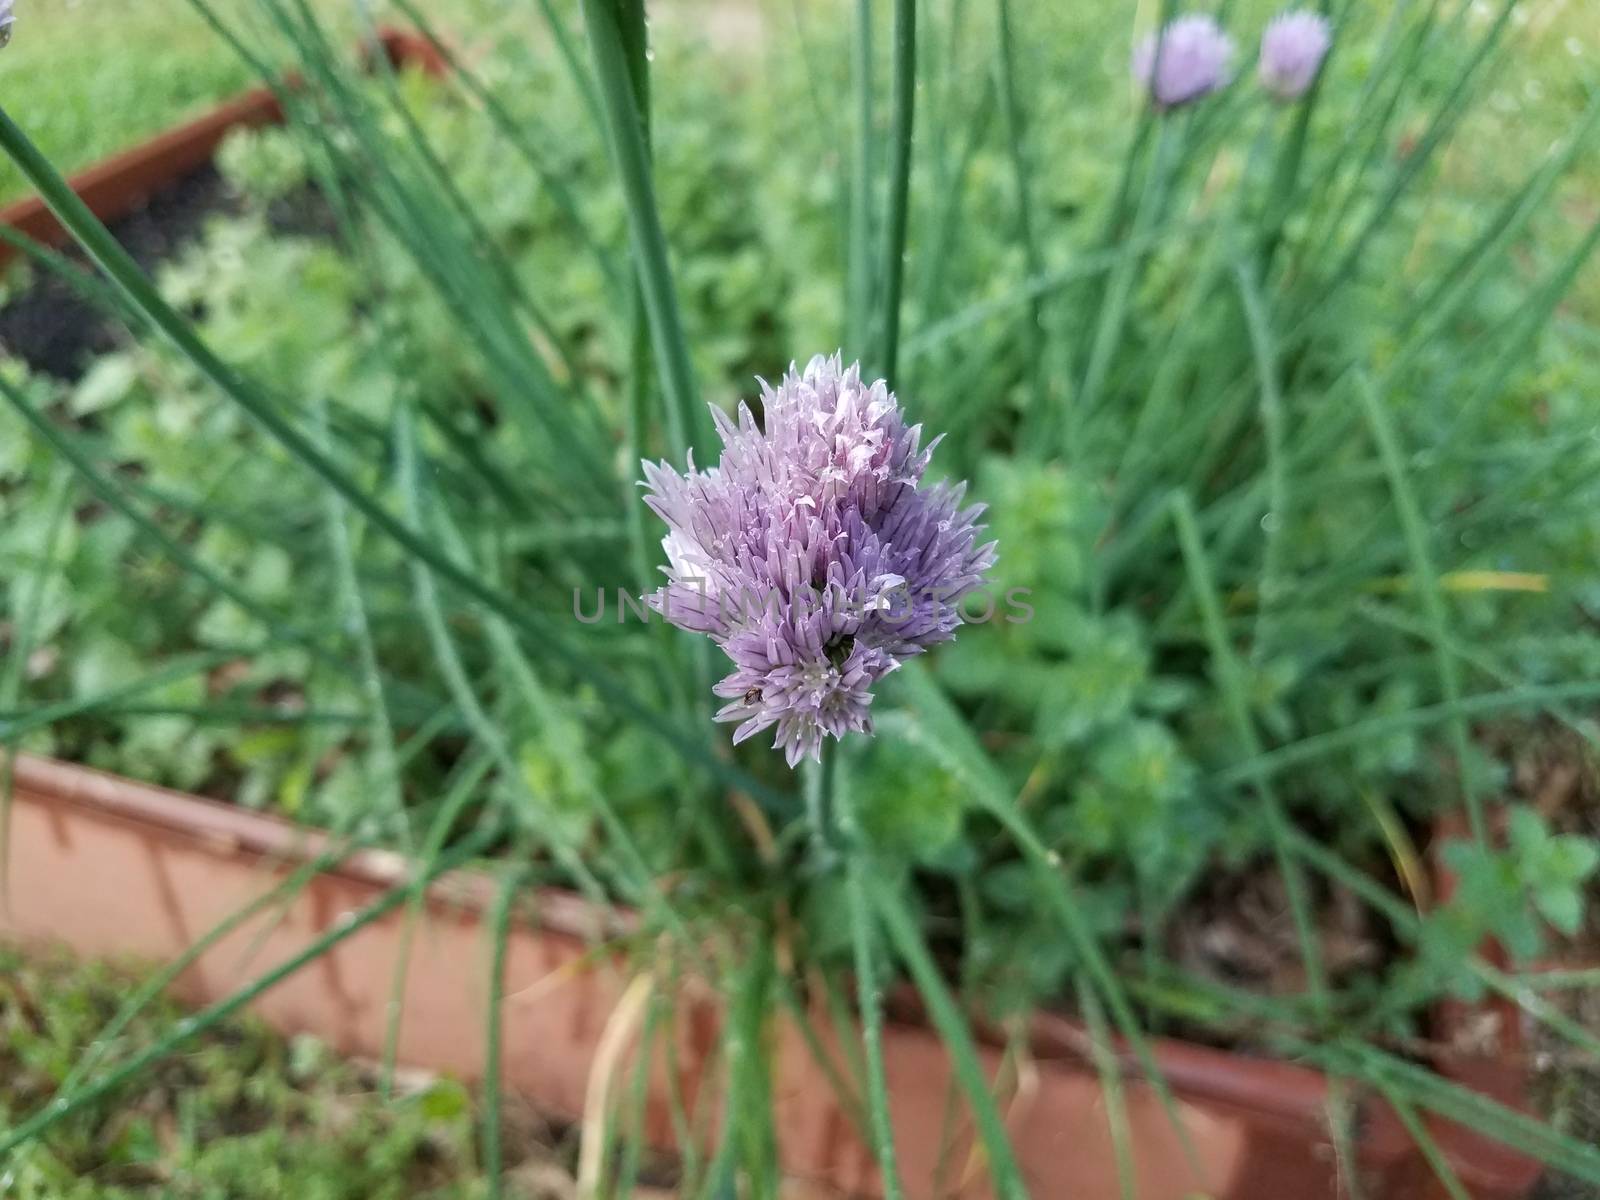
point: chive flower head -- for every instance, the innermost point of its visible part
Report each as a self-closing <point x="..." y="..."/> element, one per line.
<point x="1293" y="46"/>
<point x="1189" y="59"/>
<point x="813" y="554"/>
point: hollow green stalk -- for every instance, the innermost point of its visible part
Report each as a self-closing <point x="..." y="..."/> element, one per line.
<point x="902" y="113"/>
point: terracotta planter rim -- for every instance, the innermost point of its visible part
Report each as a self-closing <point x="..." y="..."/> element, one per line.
<point x="230" y="829"/>
<point x="1225" y="1075"/>
<point x="1220" y="1074"/>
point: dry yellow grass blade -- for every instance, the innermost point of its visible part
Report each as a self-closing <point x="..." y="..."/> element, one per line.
<point x="620" y="1028"/>
<point x="1402" y="850"/>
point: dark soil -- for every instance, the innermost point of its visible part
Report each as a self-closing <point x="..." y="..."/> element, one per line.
<point x="59" y="332"/>
<point x="1237" y="929"/>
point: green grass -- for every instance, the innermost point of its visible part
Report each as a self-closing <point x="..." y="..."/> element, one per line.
<point x="242" y="1114"/>
<point x="91" y="77"/>
<point x="1537" y="97"/>
<point x="88" y="78"/>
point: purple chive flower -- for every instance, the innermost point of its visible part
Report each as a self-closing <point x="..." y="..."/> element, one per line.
<point x="1193" y="61"/>
<point x="812" y="554"/>
<point x="1293" y="46"/>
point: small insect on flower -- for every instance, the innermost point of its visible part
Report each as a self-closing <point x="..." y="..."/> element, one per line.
<point x="8" y="21"/>
<point x="813" y="555"/>
<point x="1189" y="60"/>
<point x="1293" y="46"/>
